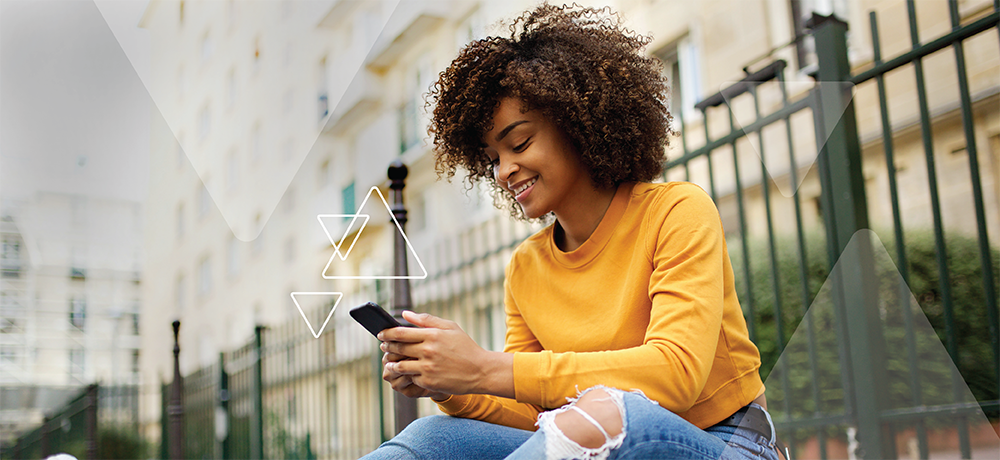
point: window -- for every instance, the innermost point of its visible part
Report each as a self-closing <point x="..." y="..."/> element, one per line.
<point x="8" y="356"/>
<point x="412" y="124"/>
<point x="135" y="361"/>
<point x="233" y="257"/>
<point x="204" y="200"/>
<point x="323" y="96"/>
<point x="77" y="363"/>
<point x="205" y="276"/>
<point x="10" y="260"/>
<point x="10" y="312"/>
<point x="78" y="312"/>
<point x="134" y="317"/>
<point x="682" y="68"/>
<point x="11" y="249"/>
<point x="347" y="196"/>
<point x="180" y="221"/>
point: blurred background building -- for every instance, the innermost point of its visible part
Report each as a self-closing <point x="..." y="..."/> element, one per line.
<point x="70" y="295"/>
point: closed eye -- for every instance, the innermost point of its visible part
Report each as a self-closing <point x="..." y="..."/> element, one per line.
<point x="522" y="146"/>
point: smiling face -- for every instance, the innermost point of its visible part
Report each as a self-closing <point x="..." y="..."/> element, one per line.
<point x="534" y="160"/>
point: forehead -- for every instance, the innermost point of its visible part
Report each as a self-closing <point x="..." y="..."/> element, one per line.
<point x="508" y="111"/>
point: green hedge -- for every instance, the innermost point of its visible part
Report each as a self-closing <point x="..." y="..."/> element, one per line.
<point x="975" y="357"/>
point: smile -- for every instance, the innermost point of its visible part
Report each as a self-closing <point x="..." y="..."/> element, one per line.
<point x="521" y="188"/>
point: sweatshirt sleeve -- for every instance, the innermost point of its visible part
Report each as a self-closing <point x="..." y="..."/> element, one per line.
<point x="685" y="245"/>
<point x="494" y="409"/>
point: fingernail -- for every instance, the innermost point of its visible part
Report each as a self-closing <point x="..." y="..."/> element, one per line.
<point x="379" y="336"/>
<point x="382" y="346"/>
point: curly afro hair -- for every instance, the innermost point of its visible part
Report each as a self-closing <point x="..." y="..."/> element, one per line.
<point x="582" y="70"/>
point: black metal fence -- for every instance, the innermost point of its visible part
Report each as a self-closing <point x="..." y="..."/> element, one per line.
<point x="866" y="360"/>
<point x="102" y="422"/>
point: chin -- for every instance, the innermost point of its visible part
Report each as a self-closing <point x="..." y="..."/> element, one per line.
<point x="532" y="213"/>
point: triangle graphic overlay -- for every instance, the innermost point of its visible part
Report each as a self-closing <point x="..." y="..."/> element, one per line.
<point x="337" y="245"/>
<point x="316" y="333"/>
<point x="745" y="117"/>
<point x="806" y="380"/>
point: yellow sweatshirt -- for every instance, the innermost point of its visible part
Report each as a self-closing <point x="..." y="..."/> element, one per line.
<point x="648" y="302"/>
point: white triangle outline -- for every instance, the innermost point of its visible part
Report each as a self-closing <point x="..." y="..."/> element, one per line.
<point x="315" y="333"/>
<point x="336" y="246"/>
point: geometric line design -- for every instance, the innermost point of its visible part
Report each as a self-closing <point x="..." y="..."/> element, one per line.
<point x="817" y="335"/>
<point x="337" y="245"/>
<point x="316" y="333"/>
<point x="746" y="119"/>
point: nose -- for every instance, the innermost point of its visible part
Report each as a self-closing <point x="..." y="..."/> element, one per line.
<point x="502" y="171"/>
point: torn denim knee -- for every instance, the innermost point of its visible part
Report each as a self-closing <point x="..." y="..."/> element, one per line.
<point x="559" y="446"/>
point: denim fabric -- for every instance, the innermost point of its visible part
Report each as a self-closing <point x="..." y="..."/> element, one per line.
<point x="652" y="432"/>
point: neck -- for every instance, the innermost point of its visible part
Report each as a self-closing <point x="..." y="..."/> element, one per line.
<point x="578" y="219"/>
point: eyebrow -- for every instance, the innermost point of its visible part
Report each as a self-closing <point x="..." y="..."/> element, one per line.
<point x="507" y="130"/>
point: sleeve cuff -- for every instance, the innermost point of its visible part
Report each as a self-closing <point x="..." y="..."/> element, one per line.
<point x="455" y="404"/>
<point x="528" y="386"/>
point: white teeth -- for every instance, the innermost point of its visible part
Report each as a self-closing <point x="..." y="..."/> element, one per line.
<point x="524" y="187"/>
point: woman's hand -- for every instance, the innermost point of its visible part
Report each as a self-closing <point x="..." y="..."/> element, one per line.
<point x="403" y="383"/>
<point x="441" y="358"/>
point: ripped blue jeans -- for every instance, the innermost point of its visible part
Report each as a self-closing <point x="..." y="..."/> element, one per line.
<point x="648" y="432"/>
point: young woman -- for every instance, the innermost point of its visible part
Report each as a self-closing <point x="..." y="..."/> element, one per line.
<point x="625" y="337"/>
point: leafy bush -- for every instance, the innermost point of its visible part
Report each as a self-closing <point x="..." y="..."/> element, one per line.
<point x="796" y="369"/>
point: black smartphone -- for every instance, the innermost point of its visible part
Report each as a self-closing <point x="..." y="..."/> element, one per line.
<point x="374" y="318"/>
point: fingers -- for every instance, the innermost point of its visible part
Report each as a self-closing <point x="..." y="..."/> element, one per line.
<point x="407" y="350"/>
<point x="427" y="320"/>
<point x="405" y="367"/>
<point x="393" y="358"/>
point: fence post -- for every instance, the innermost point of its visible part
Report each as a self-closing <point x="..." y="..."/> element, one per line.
<point x="46" y="442"/>
<point x="257" y="396"/>
<point x="175" y="410"/>
<point x="405" y="407"/>
<point x="224" y="407"/>
<point x="845" y="212"/>
<point x="91" y="421"/>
